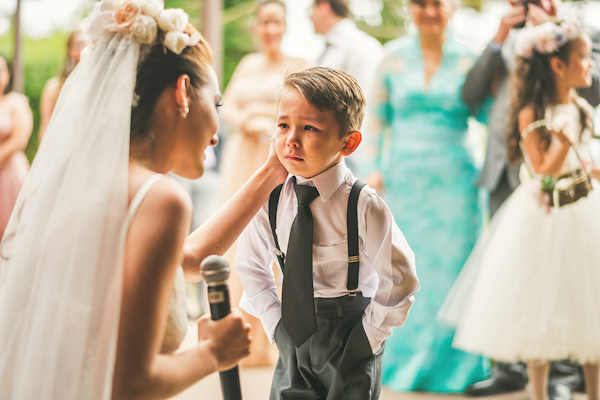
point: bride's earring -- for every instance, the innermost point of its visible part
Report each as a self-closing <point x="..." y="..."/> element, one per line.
<point x="185" y="110"/>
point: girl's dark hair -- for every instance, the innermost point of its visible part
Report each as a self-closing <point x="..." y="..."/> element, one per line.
<point x="533" y="84"/>
<point x="157" y="69"/>
<point x="8" y="87"/>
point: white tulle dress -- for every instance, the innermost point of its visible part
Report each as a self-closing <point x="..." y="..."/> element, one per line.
<point x="531" y="288"/>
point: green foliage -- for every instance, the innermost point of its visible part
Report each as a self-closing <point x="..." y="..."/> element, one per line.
<point x="393" y="21"/>
<point x="43" y="59"/>
<point x="238" y="40"/>
<point x="236" y="18"/>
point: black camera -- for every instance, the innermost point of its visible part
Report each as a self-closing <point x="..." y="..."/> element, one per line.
<point x="525" y="4"/>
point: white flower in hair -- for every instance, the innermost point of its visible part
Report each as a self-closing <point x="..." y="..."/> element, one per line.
<point x="152" y="8"/>
<point x="176" y="41"/>
<point x="141" y="20"/>
<point x="173" y="20"/>
<point x="145" y="29"/>
<point x="546" y="38"/>
<point x="524" y="44"/>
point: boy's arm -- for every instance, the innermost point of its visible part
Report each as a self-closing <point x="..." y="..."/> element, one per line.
<point x="395" y="264"/>
<point x="253" y="262"/>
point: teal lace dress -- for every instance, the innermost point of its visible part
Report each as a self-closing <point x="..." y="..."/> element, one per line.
<point x="417" y="139"/>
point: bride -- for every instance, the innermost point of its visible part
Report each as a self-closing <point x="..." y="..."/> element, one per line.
<point x="89" y="261"/>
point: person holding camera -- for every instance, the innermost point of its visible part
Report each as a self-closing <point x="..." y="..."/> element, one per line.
<point x="490" y="77"/>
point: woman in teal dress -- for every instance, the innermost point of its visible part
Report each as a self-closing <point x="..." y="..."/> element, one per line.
<point x="420" y="159"/>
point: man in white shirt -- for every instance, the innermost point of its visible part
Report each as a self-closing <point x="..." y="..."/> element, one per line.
<point x="347" y="48"/>
<point x="361" y="272"/>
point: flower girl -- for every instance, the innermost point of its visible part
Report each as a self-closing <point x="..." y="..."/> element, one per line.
<point x="530" y="290"/>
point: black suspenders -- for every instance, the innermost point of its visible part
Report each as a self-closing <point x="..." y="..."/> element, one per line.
<point x="352" y="230"/>
<point x="273" y="203"/>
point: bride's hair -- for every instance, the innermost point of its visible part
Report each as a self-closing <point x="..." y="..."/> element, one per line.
<point x="157" y="69"/>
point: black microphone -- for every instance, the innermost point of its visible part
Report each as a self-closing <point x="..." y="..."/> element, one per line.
<point x="215" y="271"/>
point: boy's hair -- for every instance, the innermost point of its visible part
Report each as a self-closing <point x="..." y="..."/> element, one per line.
<point x="341" y="8"/>
<point x="331" y="89"/>
<point x="534" y="85"/>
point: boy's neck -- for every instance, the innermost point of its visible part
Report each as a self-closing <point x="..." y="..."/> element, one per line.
<point x="319" y="173"/>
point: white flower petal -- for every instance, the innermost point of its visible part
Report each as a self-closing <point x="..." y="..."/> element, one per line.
<point x="176" y="41"/>
<point x="145" y="29"/>
<point x="173" y="19"/>
<point x="152" y="8"/>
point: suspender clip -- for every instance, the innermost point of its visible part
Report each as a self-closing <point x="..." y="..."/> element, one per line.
<point x="280" y="253"/>
<point x="353" y="259"/>
<point x="352" y="293"/>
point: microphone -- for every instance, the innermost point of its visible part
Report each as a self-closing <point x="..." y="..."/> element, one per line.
<point x="215" y="271"/>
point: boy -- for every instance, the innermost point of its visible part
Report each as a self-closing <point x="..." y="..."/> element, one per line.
<point x="337" y="308"/>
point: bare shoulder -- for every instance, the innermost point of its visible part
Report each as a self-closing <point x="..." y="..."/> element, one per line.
<point x="18" y="99"/>
<point x="52" y="83"/>
<point x="166" y="199"/>
<point x="526" y="116"/>
<point x="250" y="62"/>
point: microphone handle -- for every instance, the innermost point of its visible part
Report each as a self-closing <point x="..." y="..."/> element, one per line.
<point x="218" y="298"/>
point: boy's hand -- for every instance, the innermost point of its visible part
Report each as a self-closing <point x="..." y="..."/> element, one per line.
<point x="228" y="338"/>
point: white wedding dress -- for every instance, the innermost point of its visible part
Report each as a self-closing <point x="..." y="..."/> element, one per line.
<point x="61" y="263"/>
<point x="176" y="327"/>
<point x="531" y="288"/>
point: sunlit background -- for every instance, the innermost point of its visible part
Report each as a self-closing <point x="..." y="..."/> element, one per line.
<point x="46" y="23"/>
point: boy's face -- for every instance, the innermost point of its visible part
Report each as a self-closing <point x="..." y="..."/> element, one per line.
<point x="307" y="139"/>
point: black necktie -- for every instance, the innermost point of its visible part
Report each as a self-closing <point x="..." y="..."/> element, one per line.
<point x="297" y="303"/>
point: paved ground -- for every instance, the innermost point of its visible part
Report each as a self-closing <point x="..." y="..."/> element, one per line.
<point x="257" y="381"/>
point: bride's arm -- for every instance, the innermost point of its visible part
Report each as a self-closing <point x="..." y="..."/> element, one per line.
<point x="217" y="234"/>
<point x="152" y="253"/>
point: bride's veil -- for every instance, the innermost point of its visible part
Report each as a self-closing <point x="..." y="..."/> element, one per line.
<point x="61" y="256"/>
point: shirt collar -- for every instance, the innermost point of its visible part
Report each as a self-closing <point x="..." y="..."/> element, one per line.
<point x="327" y="182"/>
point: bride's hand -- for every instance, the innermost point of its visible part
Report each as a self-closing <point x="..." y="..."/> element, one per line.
<point x="228" y="338"/>
<point x="273" y="162"/>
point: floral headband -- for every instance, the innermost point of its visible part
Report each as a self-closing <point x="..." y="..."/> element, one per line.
<point x="546" y="38"/>
<point x="141" y="19"/>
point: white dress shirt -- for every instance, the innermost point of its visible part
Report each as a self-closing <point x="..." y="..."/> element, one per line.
<point x="353" y="51"/>
<point x="387" y="265"/>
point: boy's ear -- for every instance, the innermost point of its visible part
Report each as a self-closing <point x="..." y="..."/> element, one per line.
<point x="351" y="143"/>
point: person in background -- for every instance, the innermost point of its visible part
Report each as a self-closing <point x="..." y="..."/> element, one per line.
<point x="16" y="123"/>
<point x="490" y="77"/>
<point x="249" y="110"/>
<point x="529" y="291"/>
<point x="75" y="44"/>
<point x="348" y="49"/>
<point x="420" y="161"/>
